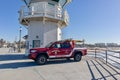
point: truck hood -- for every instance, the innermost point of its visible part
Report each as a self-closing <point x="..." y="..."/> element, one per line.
<point x="40" y="49"/>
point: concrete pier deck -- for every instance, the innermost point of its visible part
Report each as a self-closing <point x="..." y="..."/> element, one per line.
<point x="14" y="66"/>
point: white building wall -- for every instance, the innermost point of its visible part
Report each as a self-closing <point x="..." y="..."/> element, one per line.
<point x="59" y="33"/>
<point x="50" y="32"/>
<point x="45" y="32"/>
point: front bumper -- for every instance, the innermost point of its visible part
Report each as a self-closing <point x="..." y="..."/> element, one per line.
<point x="32" y="56"/>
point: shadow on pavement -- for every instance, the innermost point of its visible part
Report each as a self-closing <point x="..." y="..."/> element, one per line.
<point x="20" y="61"/>
<point x="7" y="57"/>
<point x="15" y="61"/>
<point x="31" y="63"/>
<point x="17" y="65"/>
<point x="97" y="64"/>
<point x="59" y="61"/>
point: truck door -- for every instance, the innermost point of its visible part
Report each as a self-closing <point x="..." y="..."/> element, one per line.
<point x="54" y="50"/>
<point x="60" y="50"/>
<point x="66" y="48"/>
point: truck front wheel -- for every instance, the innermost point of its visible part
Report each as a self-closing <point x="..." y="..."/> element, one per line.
<point x="77" y="57"/>
<point x="41" y="60"/>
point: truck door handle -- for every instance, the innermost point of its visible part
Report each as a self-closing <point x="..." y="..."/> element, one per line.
<point x="55" y="51"/>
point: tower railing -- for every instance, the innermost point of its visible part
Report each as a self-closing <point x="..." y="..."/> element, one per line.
<point x="45" y="11"/>
<point x="66" y="17"/>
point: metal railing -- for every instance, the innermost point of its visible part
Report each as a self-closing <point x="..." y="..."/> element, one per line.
<point x="44" y="12"/>
<point x="109" y="56"/>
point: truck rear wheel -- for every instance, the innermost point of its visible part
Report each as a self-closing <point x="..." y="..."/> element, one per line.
<point x="77" y="57"/>
<point x="41" y="60"/>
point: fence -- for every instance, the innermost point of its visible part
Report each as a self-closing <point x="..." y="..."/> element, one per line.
<point x="111" y="57"/>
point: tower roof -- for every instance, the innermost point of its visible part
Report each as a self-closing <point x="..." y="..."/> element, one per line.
<point x="27" y="2"/>
<point x="62" y="2"/>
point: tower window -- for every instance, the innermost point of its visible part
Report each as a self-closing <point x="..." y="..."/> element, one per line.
<point x="51" y="4"/>
<point x="56" y="0"/>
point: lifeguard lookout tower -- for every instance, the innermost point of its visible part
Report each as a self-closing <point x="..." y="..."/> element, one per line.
<point x="44" y="20"/>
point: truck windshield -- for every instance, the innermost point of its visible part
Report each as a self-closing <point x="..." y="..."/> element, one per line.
<point x="48" y="45"/>
<point x="79" y="44"/>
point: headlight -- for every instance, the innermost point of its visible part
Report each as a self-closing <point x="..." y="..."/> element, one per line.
<point x="33" y="51"/>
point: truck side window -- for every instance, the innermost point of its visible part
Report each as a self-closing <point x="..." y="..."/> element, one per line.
<point x="65" y="45"/>
<point x="56" y="46"/>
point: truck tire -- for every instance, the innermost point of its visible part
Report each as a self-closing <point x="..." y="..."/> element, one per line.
<point x="77" y="57"/>
<point x="41" y="60"/>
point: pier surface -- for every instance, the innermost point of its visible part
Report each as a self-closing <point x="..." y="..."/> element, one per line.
<point x="15" y="66"/>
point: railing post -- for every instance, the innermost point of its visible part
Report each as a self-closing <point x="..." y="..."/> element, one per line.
<point x="21" y="12"/>
<point x="106" y="56"/>
<point x="55" y="12"/>
<point x="95" y="53"/>
<point x="45" y="9"/>
<point x="119" y="54"/>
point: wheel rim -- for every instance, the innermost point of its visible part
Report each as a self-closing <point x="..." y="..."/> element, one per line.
<point x="42" y="60"/>
<point x="78" y="57"/>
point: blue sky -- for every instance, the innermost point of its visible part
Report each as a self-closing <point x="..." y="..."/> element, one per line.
<point x="92" y="20"/>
